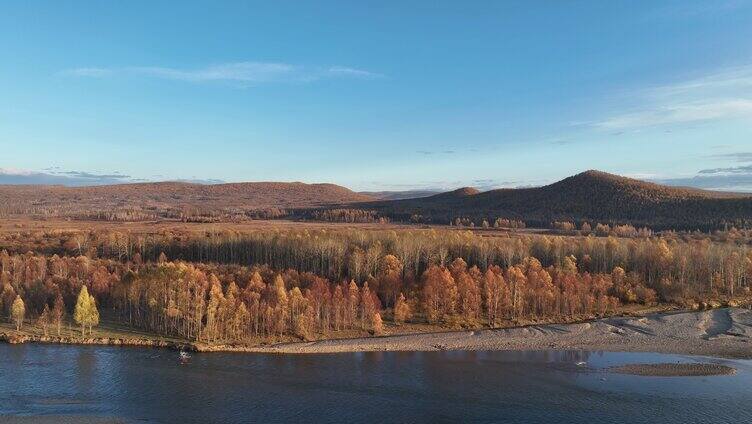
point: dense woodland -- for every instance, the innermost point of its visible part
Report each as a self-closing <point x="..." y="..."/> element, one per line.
<point x="234" y="287"/>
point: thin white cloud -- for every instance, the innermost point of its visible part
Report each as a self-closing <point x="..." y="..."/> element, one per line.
<point x="746" y="169"/>
<point x="352" y="72"/>
<point x="735" y="182"/>
<point x="88" y="72"/>
<point x="249" y="73"/>
<point x="15" y="171"/>
<point x="725" y="94"/>
<point x="57" y="176"/>
<point x="735" y="156"/>
<point x="726" y="81"/>
<point x="680" y="113"/>
<point x="239" y="72"/>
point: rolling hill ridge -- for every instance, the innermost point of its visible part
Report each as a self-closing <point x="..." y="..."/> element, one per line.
<point x="592" y="196"/>
<point x="169" y="199"/>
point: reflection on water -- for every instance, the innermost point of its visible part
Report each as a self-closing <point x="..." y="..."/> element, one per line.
<point x="517" y="387"/>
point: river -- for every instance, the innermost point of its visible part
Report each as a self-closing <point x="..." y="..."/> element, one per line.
<point x="149" y="385"/>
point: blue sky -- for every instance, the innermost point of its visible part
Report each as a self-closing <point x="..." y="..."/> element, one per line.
<point x="376" y="95"/>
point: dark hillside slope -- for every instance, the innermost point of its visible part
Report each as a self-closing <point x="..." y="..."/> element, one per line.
<point x="169" y="199"/>
<point x="591" y="196"/>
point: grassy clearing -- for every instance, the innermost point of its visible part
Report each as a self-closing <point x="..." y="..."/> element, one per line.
<point x="106" y="330"/>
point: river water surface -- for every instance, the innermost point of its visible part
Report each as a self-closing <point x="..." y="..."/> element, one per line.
<point x="146" y="385"/>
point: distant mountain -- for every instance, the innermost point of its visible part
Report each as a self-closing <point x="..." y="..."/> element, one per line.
<point x="591" y="196"/>
<point x="170" y="199"/>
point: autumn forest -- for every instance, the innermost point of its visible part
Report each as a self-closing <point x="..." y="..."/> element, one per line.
<point x="229" y="287"/>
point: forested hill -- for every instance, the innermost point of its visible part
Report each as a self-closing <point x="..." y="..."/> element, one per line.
<point x="591" y="196"/>
<point x="169" y="199"/>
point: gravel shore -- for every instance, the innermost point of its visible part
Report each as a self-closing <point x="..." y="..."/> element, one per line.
<point x="673" y="370"/>
<point x="723" y="332"/>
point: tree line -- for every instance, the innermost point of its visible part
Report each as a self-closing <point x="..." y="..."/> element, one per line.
<point x="677" y="266"/>
<point x="232" y="303"/>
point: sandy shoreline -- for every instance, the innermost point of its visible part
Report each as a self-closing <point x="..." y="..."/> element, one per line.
<point x="723" y="332"/>
<point x="673" y="370"/>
